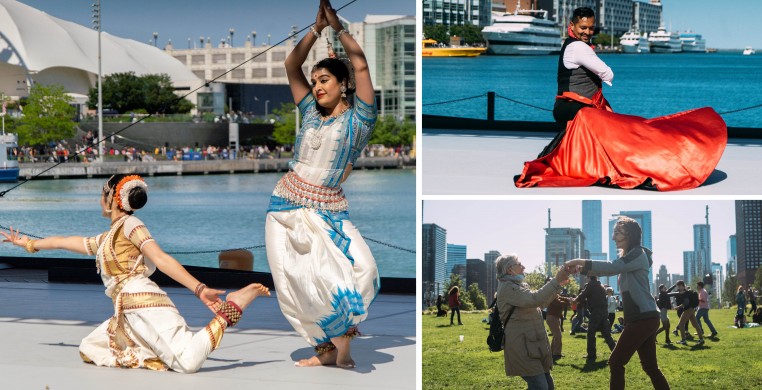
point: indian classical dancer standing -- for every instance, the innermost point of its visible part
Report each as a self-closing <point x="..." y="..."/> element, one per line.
<point x="146" y="329"/>
<point x="323" y="271"/>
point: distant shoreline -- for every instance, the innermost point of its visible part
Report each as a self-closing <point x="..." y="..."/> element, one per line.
<point x="74" y="170"/>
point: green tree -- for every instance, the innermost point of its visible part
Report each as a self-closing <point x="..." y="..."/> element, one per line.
<point x="391" y="132"/>
<point x="468" y="33"/>
<point x="476" y="296"/>
<point x="285" y="124"/>
<point x="48" y="116"/>
<point x="758" y="279"/>
<point x="729" y="289"/>
<point x="125" y="92"/>
<point x="437" y="32"/>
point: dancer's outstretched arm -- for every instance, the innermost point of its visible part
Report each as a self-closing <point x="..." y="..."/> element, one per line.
<point x="363" y="84"/>
<point x="299" y="85"/>
<point x="72" y="243"/>
<point x="172" y="268"/>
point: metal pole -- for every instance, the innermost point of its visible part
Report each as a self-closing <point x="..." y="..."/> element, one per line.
<point x="490" y="106"/>
<point x="100" y="86"/>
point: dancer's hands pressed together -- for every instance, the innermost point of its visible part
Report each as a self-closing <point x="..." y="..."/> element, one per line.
<point x="330" y="15"/>
<point x="320" y="20"/>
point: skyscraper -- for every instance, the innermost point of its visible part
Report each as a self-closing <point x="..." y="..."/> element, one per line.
<point x="719" y="281"/>
<point x="476" y="273"/>
<point x="644" y="220"/>
<point x="434" y="243"/>
<point x="592" y="221"/>
<point x="562" y="244"/>
<point x="749" y="239"/>
<point x="731" y="268"/>
<point x="702" y="250"/>
<point x="689" y="266"/>
<point x="457" y="12"/>
<point x="456" y="261"/>
<point x="490" y="275"/>
<point x="663" y="277"/>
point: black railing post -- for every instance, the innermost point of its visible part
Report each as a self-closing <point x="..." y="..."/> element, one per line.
<point x="490" y="106"/>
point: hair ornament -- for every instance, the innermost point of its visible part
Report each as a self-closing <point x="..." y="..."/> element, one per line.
<point x="123" y="189"/>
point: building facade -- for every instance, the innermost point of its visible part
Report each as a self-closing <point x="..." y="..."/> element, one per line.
<point x="490" y="274"/>
<point x="617" y="16"/>
<point x="434" y="244"/>
<point x="731" y="267"/>
<point x="702" y="250"/>
<point x="663" y="277"/>
<point x="592" y="221"/>
<point x="456" y="261"/>
<point x="388" y="42"/>
<point x="476" y="273"/>
<point x="749" y="239"/>
<point x="718" y="282"/>
<point x="689" y="266"/>
<point x="647" y="16"/>
<point x="457" y="12"/>
<point x="562" y="244"/>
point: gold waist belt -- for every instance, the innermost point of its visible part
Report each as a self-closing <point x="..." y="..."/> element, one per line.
<point x="299" y="192"/>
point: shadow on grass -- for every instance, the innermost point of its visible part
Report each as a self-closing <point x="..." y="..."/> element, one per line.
<point x="590" y="366"/>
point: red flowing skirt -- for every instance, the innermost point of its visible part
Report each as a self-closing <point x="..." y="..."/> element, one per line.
<point x="676" y="152"/>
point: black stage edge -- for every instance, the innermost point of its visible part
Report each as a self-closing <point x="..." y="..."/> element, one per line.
<point x="439" y="122"/>
<point x="66" y="270"/>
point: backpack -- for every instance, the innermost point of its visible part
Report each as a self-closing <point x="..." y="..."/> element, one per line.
<point x="496" y="330"/>
<point x="693" y="298"/>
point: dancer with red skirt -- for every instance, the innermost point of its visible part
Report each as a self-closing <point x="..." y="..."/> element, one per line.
<point x="598" y="146"/>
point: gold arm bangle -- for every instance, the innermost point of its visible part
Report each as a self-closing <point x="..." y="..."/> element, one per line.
<point x="342" y="32"/>
<point x="30" y="246"/>
<point x="314" y="32"/>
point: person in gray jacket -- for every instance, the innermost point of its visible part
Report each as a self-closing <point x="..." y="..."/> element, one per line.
<point x="527" y="350"/>
<point x="641" y="315"/>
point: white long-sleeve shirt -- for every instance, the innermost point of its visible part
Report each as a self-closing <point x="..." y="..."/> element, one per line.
<point x="579" y="53"/>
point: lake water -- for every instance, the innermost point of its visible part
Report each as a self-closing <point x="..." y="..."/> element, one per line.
<point x="210" y="213"/>
<point x="648" y="85"/>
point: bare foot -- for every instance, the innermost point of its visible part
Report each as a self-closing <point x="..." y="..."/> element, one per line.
<point x="247" y="295"/>
<point x="343" y="358"/>
<point x="325" y="359"/>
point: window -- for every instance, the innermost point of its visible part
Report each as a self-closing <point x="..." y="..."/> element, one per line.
<point x="219" y="58"/>
<point x="237" y="58"/>
<point x="198" y="59"/>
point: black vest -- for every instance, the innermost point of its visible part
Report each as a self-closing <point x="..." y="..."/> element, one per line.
<point x="580" y="80"/>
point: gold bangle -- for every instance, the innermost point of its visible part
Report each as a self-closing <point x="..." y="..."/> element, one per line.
<point x="30" y="246"/>
<point x="341" y="32"/>
<point x="314" y="32"/>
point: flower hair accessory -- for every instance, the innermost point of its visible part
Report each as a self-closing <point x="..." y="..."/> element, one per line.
<point x="123" y="190"/>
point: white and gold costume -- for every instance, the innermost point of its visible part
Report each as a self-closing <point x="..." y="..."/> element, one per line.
<point x="146" y="329"/>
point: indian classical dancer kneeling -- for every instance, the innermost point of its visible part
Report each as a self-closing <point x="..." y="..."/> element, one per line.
<point x="146" y="329"/>
<point x="323" y="271"/>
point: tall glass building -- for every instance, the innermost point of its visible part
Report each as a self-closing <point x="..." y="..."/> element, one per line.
<point x="731" y="268"/>
<point x="490" y="275"/>
<point x="434" y="245"/>
<point x="456" y="261"/>
<point x="592" y="222"/>
<point x="749" y="239"/>
<point x="702" y="251"/>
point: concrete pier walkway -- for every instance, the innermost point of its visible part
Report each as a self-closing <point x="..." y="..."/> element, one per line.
<point x="43" y="324"/>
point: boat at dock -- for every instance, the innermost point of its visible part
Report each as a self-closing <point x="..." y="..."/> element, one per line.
<point x="524" y="32"/>
<point x="663" y="41"/>
<point x="9" y="165"/>
<point x="432" y="48"/>
<point x="634" y="43"/>
<point x="692" y="42"/>
<point x="748" y="51"/>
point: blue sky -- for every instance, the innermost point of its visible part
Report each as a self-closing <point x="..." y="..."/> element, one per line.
<point x="179" y="20"/>
<point x="724" y="24"/>
<point x="516" y="226"/>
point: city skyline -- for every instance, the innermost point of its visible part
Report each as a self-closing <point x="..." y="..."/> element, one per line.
<point x="178" y="21"/>
<point x="469" y="223"/>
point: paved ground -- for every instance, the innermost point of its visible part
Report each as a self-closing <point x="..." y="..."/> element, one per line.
<point x="43" y="323"/>
<point x="475" y="162"/>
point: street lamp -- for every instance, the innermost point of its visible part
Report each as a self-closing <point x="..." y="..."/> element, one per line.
<point x="267" y="102"/>
<point x="253" y="38"/>
<point x="97" y="25"/>
<point x="268" y="39"/>
<point x="231" y="32"/>
<point x="155" y="39"/>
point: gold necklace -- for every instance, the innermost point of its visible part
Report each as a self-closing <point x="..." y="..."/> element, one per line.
<point x="317" y="136"/>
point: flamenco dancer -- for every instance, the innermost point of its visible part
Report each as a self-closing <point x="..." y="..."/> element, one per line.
<point x="598" y="146"/>
<point x="324" y="272"/>
<point x="146" y="329"/>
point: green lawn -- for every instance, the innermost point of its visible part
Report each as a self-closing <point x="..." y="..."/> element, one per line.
<point x="733" y="360"/>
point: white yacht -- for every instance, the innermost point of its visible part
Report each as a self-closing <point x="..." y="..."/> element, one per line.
<point x="748" y="51"/>
<point x="663" y="41"/>
<point x="692" y="42"/>
<point x="634" y="43"/>
<point x="522" y="32"/>
<point x="9" y="166"/>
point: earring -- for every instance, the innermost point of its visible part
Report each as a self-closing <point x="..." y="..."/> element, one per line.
<point x="343" y="92"/>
